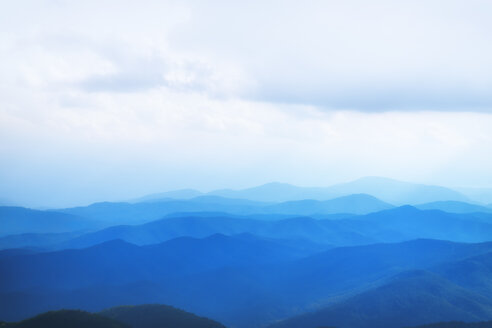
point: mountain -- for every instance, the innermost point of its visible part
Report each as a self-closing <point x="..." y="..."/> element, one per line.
<point x="137" y="213"/>
<point x="175" y="194"/>
<point x="15" y="252"/>
<point x="354" y="204"/>
<point x="19" y="220"/>
<point x="458" y="324"/>
<point x="37" y="240"/>
<point x="411" y="298"/>
<point x="67" y="318"/>
<point x="407" y="222"/>
<point x="276" y="192"/>
<point x="254" y="297"/>
<point x="359" y="267"/>
<point x="473" y="273"/>
<point x="388" y="190"/>
<point x="398" y="192"/>
<point x="158" y="316"/>
<point x="109" y="262"/>
<point x="139" y="316"/>
<point x="481" y="195"/>
<point x="53" y="241"/>
<point x="242" y="281"/>
<point x="327" y="232"/>
<point x="393" y="225"/>
<point x="454" y="207"/>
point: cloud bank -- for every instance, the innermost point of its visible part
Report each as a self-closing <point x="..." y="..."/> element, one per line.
<point x="114" y="99"/>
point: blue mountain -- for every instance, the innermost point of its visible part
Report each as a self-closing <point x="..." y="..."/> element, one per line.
<point x="175" y="194"/>
<point x="135" y="213"/>
<point x="354" y="204"/>
<point x="253" y="281"/>
<point x="457" y="324"/>
<point x="398" y="192"/>
<point x="409" y="299"/>
<point x="37" y="240"/>
<point x="388" y="190"/>
<point x="277" y="192"/>
<point x="455" y="207"/>
<point x="327" y="232"/>
<point x="115" y="261"/>
<point x="393" y="225"/>
<point x="473" y="273"/>
<point x="139" y="316"/>
<point x="17" y="220"/>
<point x="407" y="222"/>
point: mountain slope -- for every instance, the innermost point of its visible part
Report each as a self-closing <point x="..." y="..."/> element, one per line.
<point x="458" y="324"/>
<point x="388" y="190"/>
<point x="474" y="273"/>
<point x="398" y="192"/>
<point x="454" y="207"/>
<point x="37" y="240"/>
<point x="114" y="262"/>
<point x="355" y="204"/>
<point x="326" y="232"/>
<point x="19" y="220"/>
<point x="277" y="192"/>
<point x="411" y="298"/>
<point x="138" y="213"/>
<point x="140" y="316"/>
<point x="350" y="268"/>
<point x="481" y="195"/>
<point x="158" y="316"/>
<point x="394" y="225"/>
<point x="407" y="223"/>
<point x="253" y="281"/>
<point x="67" y="318"/>
<point x="174" y="194"/>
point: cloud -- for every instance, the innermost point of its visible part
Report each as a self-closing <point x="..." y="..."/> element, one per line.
<point x="367" y="56"/>
<point x="380" y="98"/>
<point x="110" y="100"/>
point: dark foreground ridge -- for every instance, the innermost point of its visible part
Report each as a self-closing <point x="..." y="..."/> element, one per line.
<point x="65" y="319"/>
<point x="156" y="316"/>
<point x="138" y="316"/>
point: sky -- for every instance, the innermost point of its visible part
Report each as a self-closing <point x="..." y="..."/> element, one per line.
<point x="112" y="100"/>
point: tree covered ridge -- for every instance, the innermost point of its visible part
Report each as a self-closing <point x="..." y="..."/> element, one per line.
<point x="139" y="316"/>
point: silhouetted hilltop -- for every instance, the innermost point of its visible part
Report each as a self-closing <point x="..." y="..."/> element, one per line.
<point x="139" y="316"/>
<point x="67" y="319"/>
<point x="158" y="316"/>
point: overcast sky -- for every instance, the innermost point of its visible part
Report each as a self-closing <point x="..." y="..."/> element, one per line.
<point x="110" y="100"/>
